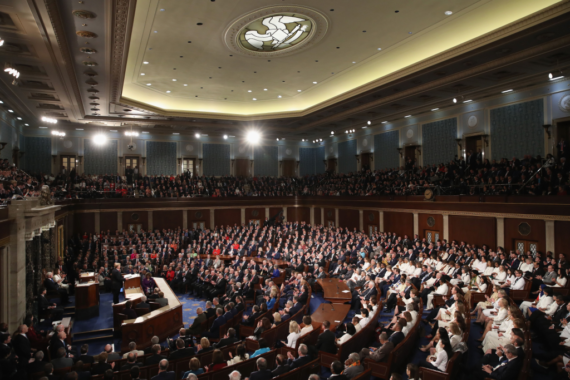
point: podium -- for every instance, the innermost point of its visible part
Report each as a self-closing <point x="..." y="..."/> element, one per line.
<point x="86" y="277"/>
<point x="87" y="300"/>
<point x="132" y="281"/>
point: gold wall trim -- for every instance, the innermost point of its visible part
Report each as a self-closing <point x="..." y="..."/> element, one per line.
<point x="5" y="241"/>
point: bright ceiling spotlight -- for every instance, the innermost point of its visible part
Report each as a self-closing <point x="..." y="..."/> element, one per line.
<point x="448" y="13"/>
<point x="197" y="135"/>
<point x="556" y="78"/>
<point x="19" y="118"/>
<point x="550" y="76"/>
<point x="468" y="101"/>
<point x="48" y="120"/>
<point x="454" y="100"/>
<point x="253" y="137"/>
<point x="407" y="116"/>
<point x="1" y="42"/>
<point x="277" y="138"/>
<point x="225" y="137"/>
<point x="332" y="132"/>
<point x="504" y="92"/>
<point x="131" y="133"/>
<point x="434" y="109"/>
<point x="145" y="62"/>
<point x="384" y="122"/>
<point x="100" y="139"/>
<point x="12" y="71"/>
<point x="58" y="133"/>
<point x="369" y="122"/>
<point x="345" y="131"/>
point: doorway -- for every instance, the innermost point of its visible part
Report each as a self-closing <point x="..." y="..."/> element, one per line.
<point x="288" y="168"/>
<point x="135" y="228"/>
<point x="431" y="236"/>
<point x="563" y="132"/>
<point x="188" y="166"/>
<point x="242" y="167"/>
<point x="67" y="163"/>
<point x="199" y="225"/>
<point x="473" y="144"/>
<point x="526" y="246"/>
<point x="372" y="229"/>
<point x="365" y="161"/>
<point x="131" y="162"/>
<point x="410" y="154"/>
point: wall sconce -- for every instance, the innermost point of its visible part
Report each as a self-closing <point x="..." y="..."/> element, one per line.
<point x="120" y="160"/>
<point x="80" y="158"/>
<point x="485" y="139"/>
<point x="400" y="150"/>
<point x="418" y="148"/>
<point x="371" y="157"/>
<point x="460" y="143"/>
<point x="547" y="130"/>
<point x="180" y="161"/>
<point x="2" y="145"/>
<point x="357" y="156"/>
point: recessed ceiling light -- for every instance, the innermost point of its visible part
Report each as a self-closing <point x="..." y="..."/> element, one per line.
<point x="248" y="90"/>
<point x="264" y="89"/>
<point x="19" y="118"/>
<point x="144" y="131"/>
<point x="560" y="77"/>
<point x="148" y="84"/>
<point x="174" y="80"/>
<point x="379" y="48"/>
<point x="332" y="132"/>
<point x="168" y="92"/>
<point x="279" y="96"/>
<point x="409" y="32"/>
<point x="353" y="61"/>
<point x="225" y="137"/>
<point x="185" y="84"/>
<point x="145" y="62"/>
<point x="298" y="90"/>
<point x="10" y="111"/>
<point x="320" y="139"/>
<point x="1" y="102"/>
<point x="384" y="122"/>
<point x="254" y="99"/>
<point x="162" y="10"/>
<point x="369" y="122"/>
<point x="408" y="116"/>
<point x="314" y="82"/>
<point x="434" y="109"/>
<point x="454" y="100"/>
<point x="175" y="133"/>
<point x="27" y="125"/>
<point x="42" y="127"/>
<point x="277" y="139"/>
<point x="504" y="92"/>
<point x="448" y="13"/>
<point x="142" y="74"/>
<point x="78" y="129"/>
<point x="197" y="135"/>
<point x="156" y="31"/>
<point x="468" y="101"/>
<point x="113" y="130"/>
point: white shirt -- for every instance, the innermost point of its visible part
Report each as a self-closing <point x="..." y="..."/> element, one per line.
<point x="364" y="321"/>
<point x="292" y="339"/>
<point x="306" y="329"/>
<point x="344" y="338"/>
<point x="518" y="283"/>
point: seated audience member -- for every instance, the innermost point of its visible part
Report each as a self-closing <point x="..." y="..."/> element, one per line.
<point x="218" y="361"/>
<point x="195" y="368"/>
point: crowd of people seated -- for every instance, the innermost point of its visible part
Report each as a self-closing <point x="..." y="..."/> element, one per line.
<point x="469" y="175"/>
<point x="405" y="273"/>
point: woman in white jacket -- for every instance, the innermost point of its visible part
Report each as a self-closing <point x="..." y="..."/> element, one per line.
<point x="294" y="334"/>
<point x="496" y="319"/>
<point x="542" y="301"/>
<point x="502" y="336"/>
<point x="501" y="275"/>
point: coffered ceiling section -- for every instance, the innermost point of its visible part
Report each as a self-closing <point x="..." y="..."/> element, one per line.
<point x="245" y="59"/>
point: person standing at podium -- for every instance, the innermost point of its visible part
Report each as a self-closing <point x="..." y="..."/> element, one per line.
<point x="116" y="282"/>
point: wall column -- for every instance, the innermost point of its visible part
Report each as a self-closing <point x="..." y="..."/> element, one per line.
<point x="312" y="218"/>
<point x="361" y="219"/>
<point x="150" y="221"/>
<point x="501" y="232"/>
<point x="97" y="221"/>
<point x="381" y="224"/>
<point x="120" y="221"/>
<point x="185" y="219"/>
<point x="285" y="213"/>
<point x="416" y="224"/>
<point x="267" y="212"/>
<point x="212" y="221"/>
<point x="323" y="216"/>
<point x="446" y="227"/>
<point x="242" y="215"/>
<point x="549" y="225"/>
<point x="336" y="217"/>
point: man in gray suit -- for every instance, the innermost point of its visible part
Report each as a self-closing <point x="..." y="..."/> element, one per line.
<point x="383" y="351"/>
<point x="353" y="366"/>
<point x="61" y="361"/>
<point x="196" y="327"/>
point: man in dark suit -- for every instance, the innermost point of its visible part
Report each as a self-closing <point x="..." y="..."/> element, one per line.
<point x="156" y="357"/>
<point x="86" y="359"/>
<point x="248" y="320"/>
<point x="163" y="373"/>
<point x="61" y="361"/>
<point x="397" y="336"/>
<point x="38" y="364"/>
<point x="22" y="346"/>
<point x="131" y="361"/>
<point x="116" y="282"/>
<point x="215" y="328"/>
<point x="229" y="338"/>
<point x="143" y="304"/>
<point x="45" y="305"/>
<point x="326" y="341"/>
<point x="507" y="369"/>
<point x="81" y="373"/>
<point x="48" y="370"/>
<point x="281" y="366"/>
<point x="196" y="327"/>
<point x="50" y="284"/>
<point x="383" y="351"/>
<point x="301" y="360"/>
<point x="181" y="350"/>
<point x="210" y="310"/>
<point x="262" y="372"/>
<point x="336" y="371"/>
<point x="102" y="365"/>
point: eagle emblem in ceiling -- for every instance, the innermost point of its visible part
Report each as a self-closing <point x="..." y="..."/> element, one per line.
<point x="275" y="32"/>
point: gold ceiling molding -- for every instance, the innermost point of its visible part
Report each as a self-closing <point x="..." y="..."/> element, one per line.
<point x="501" y="32"/>
<point x="122" y="24"/>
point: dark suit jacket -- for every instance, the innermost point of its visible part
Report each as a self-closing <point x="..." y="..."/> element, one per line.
<point x="338" y="377"/>
<point x="165" y="376"/>
<point x="99" y="369"/>
<point x="85" y="359"/>
<point x="153" y="359"/>
<point x="396" y="338"/>
<point x="197" y="324"/>
<point x="130" y="313"/>
<point x="36" y="367"/>
<point x="299" y="362"/>
<point x="261" y="375"/>
<point x="130" y="365"/>
<point x="83" y="375"/>
<point x="181" y="353"/>
<point x="226" y="342"/>
<point x="116" y="279"/>
<point x="22" y="347"/>
<point x="326" y="342"/>
<point x="382" y="352"/>
<point x="508" y="371"/>
<point x="280" y="370"/>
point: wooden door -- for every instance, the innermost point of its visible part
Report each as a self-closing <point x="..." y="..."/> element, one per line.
<point x="331" y="165"/>
<point x="431" y="236"/>
<point x="131" y="162"/>
<point x="562" y="132"/>
<point x="242" y="167"/>
<point x="473" y="144"/>
<point x="372" y="229"/>
<point x="525" y="245"/>
<point x="365" y="161"/>
<point x="288" y="168"/>
<point x="410" y="154"/>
